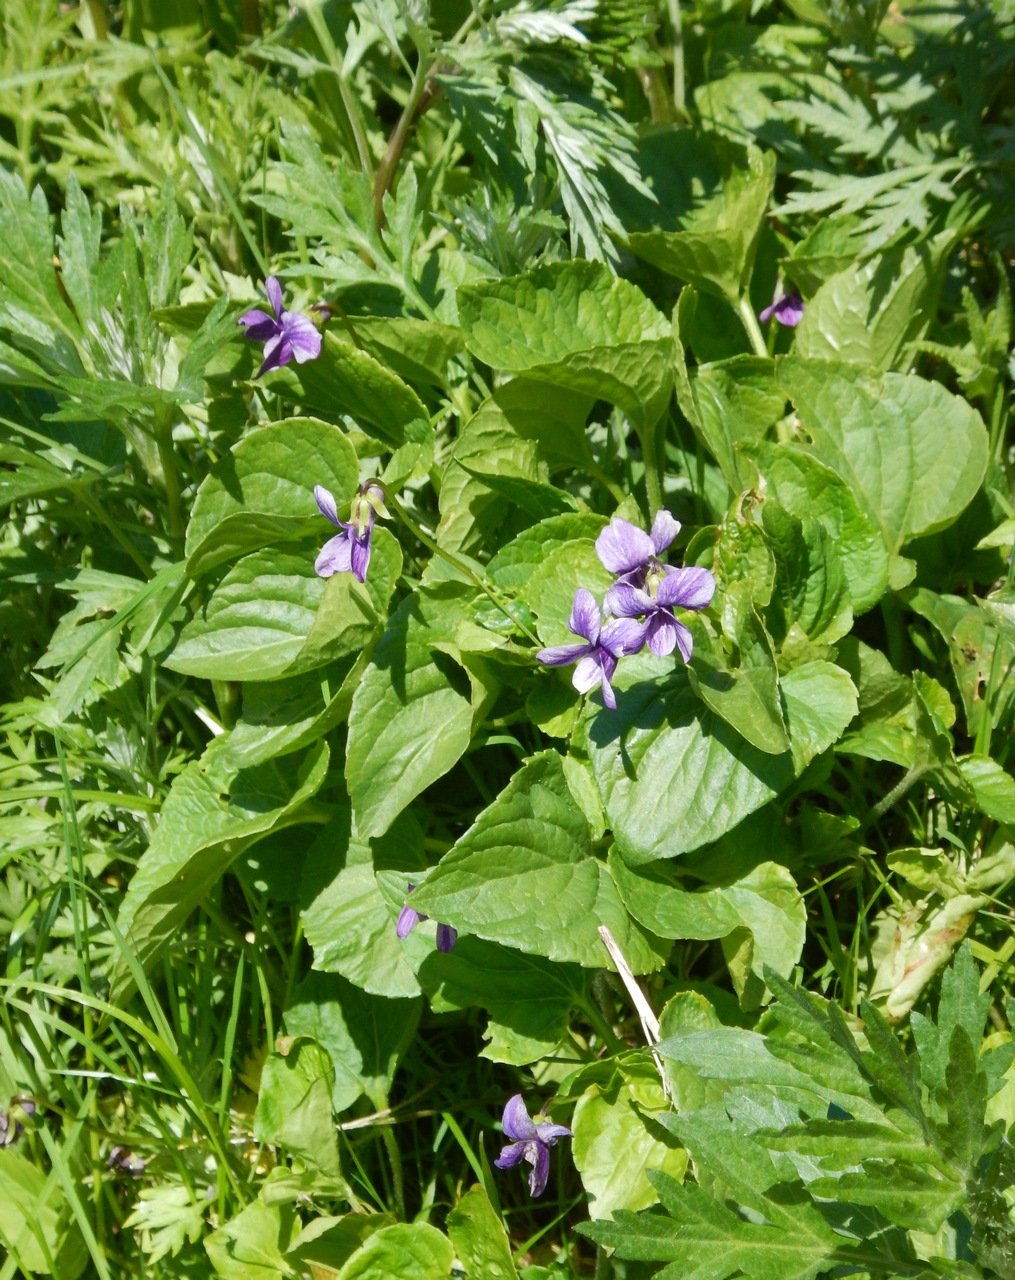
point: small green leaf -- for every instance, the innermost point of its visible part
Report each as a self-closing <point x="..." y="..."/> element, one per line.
<point x="343" y="381"/>
<point x="808" y="489"/>
<point x="480" y="1240"/>
<point x="617" y="1139"/>
<point x="401" y="1252"/>
<point x="412" y="714"/>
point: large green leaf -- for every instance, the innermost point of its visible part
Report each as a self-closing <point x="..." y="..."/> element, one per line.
<point x="527" y="997"/>
<point x="760" y="916"/>
<point x="811" y="593"/>
<point x="711" y="242"/>
<point x="251" y="1245"/>
<point x="673" y="775"/>
<point x="810" y="490"/>
<point x="401" y="1252"/>
<point x="349" y="919"/>
<point x="212" y="813"/>
<point x="616" y="1140"/>
<point x="576" y="326"/>
<point x="364" y="1035"/>
<point x="344" y="381"/>
<point x="272" y="616"/>
<point x="735" y="402"/>
<point x="745" y="696"/>
<point x="481" y="1242"/>
<point x="524" y="875"/>
<point x="35" y="1213"/>
<point x="263" y="490"/>
<point x="501" y="440"/>
<point x="867" y="313"/>
<point x="514" y="564"/>
<point x="913" y="454"/>
<point x="294" y="1105"/>
<point x="412" y="715"/>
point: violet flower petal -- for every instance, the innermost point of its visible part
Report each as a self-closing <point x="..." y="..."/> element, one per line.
<point x="623" y="547"/>
<point x="303" y="336"/>
<point x="687" y="589"/>
<point x="789" y="310"/>
<point x="588" y="673"/>
<point x="516" y="1121"/>
<point x="664" y="530"/>
<point x="360" y="554"/>
<point x="625" y="601"/>
<point x="606" y="689"/>
<point x="661" y="633"/>
<point x="335" y="556"/>
<point x="551" y="1133"/>
<point x="274" y="291"/>
<point x="622" y="636"/>
<point x="585" y="618"/>
<point x="327" y="505"/>
<point x="259" y="325"/>
<point x="407" y="921"/>
<point x="561" y="655"/>
<point x="511" y="1155"/>
<point x="447" y="936"/>
<point x="540" y="1169"/>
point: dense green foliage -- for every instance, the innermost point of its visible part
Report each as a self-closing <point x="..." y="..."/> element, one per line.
<point x="748" y="935"/>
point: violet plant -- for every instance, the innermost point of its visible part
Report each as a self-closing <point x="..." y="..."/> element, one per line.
<point x="705" y="888"/>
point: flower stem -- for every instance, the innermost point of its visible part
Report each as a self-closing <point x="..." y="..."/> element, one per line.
<point x="750" y="321"/>
<point x="349" y="102"/>
<point x="396" y="143"/>
<point x="650" y="441"/>
<point x="461" y="565"/>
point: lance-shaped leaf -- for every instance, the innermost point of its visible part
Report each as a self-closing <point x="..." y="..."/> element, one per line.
<point x="212" y="813"/>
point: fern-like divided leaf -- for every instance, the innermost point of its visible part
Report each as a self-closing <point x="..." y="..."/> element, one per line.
<point x="825" y="1144"/>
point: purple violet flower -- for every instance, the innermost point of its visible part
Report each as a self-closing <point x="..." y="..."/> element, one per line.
<point x="604" y="645"/>
<point x="531" y="1142"/>
<point x="632" y="553"/>
<point x="677" y="589"/>
<point x="349" y="550"/>
<point x="447" y="935"/>
<point x="788" y="309"/>
<point x="286" y="335"/>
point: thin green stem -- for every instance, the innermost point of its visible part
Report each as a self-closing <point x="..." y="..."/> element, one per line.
<point x="679" y="88"/>
<point x="600" y="1024"/>
<point x="461" y="565"/>
<point x="388" y="167"/>
<point x="352" y="111"/>
<point x="119" y="536"/>
<point x="746" y="313"/>
<point x="615" y="490"/>
<point x="653" y="472"/>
